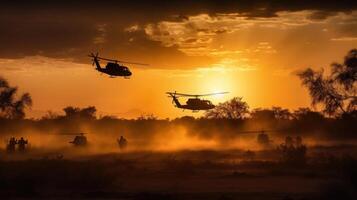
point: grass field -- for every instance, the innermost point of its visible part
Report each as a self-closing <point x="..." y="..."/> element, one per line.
<point x="330" y="173"/>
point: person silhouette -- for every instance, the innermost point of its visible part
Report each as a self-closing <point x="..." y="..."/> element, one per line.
<point x="22" y="144"/>
<point x="11" y="146"/>
<point x="122" y="143"/>
<point x="298" y="141"/>
<point x="289" y="141"/>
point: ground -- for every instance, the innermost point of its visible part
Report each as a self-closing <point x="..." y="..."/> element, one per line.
<point x="200" y="174"/>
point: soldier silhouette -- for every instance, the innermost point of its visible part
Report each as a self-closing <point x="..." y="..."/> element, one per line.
<point x="122" y="143"/>
<point x="289" y="141"/>
<point x="22" y="144"/>
<point x="298" y="141"/>
<point x="11" y="146"/>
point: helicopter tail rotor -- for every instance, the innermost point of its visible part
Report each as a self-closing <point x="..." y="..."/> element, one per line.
<point x="173" y="96"/>
<point x="95" y="57"/>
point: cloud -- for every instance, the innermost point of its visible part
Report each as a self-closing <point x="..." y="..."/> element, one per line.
<point x="149" y="31"/>
<point x="132" y="28"/>
<point x="321" y="15"/>
<point x="102" y="32"/>
<point x="194" y="35"/>
<point x="344" y="39"/>
<point x="40" y="62"/>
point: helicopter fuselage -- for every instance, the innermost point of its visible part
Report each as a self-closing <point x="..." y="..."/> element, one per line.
<point x="113" y="69"/>
<point x="79" y="140"/>
<point x="194" y="104"/>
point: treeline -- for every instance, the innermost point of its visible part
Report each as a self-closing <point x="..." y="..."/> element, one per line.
<point x="303" y="121"/>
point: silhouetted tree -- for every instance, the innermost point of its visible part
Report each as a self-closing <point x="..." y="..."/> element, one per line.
<point x="235" y="108"/>
<point x="50" y="115"/>
<point x="281" y="113"/>
<point x="147" y="117"/>
<point x="10" y="106"/>
<point x="185" y="119"/>
<point x="262" y="114"/>
<point x="337" y="91"/>
<point x="84" y="113"/>
<point x="306" y="114"/>
<point x="269" y="114"/>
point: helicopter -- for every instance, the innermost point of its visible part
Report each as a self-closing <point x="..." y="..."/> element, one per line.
<point x="195" y="104"/>
<point x="113" y="68"/>
<point x="263" y="138"/>
<point x="79" y="139"/>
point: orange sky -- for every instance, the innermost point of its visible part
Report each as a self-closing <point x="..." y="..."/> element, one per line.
<point x="254" y="58"/>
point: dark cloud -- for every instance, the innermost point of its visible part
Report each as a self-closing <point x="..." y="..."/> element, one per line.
<point x="321" y="15"/>
<point x="70" y="29"/>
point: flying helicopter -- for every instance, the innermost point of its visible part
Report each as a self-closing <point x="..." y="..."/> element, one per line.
<point x="79" y="140"/>
<point x="114" y="67"/>
<point x="195" y="104"/>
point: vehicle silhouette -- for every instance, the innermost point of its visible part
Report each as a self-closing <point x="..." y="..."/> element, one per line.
<point x="79" y="139"/>
<point x="195" y="104"/>
<point x="113" y="67"/>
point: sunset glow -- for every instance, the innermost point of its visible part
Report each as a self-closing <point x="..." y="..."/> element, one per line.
<point x="254" y="56"/>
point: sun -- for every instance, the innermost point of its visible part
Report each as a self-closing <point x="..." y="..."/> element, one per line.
<point x="215" y="81"/>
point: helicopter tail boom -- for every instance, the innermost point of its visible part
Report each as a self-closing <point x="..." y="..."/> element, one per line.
<point x="178" y="104"/>
<point x="174" y="99"/>
<point x="96" y="61"/>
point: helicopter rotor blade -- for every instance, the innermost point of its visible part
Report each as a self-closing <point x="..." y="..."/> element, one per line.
<point x="107" y="59"/>
<point x="94" y="56"/>
<point x="211" y="94"/>
<point x="134" y="63"/>
<point x="194" y="95"/>
<point x="120" y="61"/>
<point x="172" y="95"/>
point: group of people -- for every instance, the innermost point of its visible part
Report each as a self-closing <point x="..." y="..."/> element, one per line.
<point x="293" y="142"/>
<point x="11" y="146"/>
<point x="21" y="144"/>
<point x="293" y="151"/>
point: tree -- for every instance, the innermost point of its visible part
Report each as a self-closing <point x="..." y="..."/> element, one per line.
<point x="335" y="92"/>
<point x="262" y="114"/>
<point x="83" y="113"/>
<point x="270" y="114"/>
<point x="281" y="113"/>
<point x="306" y="114"/>
<point x="144" y="117"/>
<point x="10" y="106"/>
<point x="235" y="108"/>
